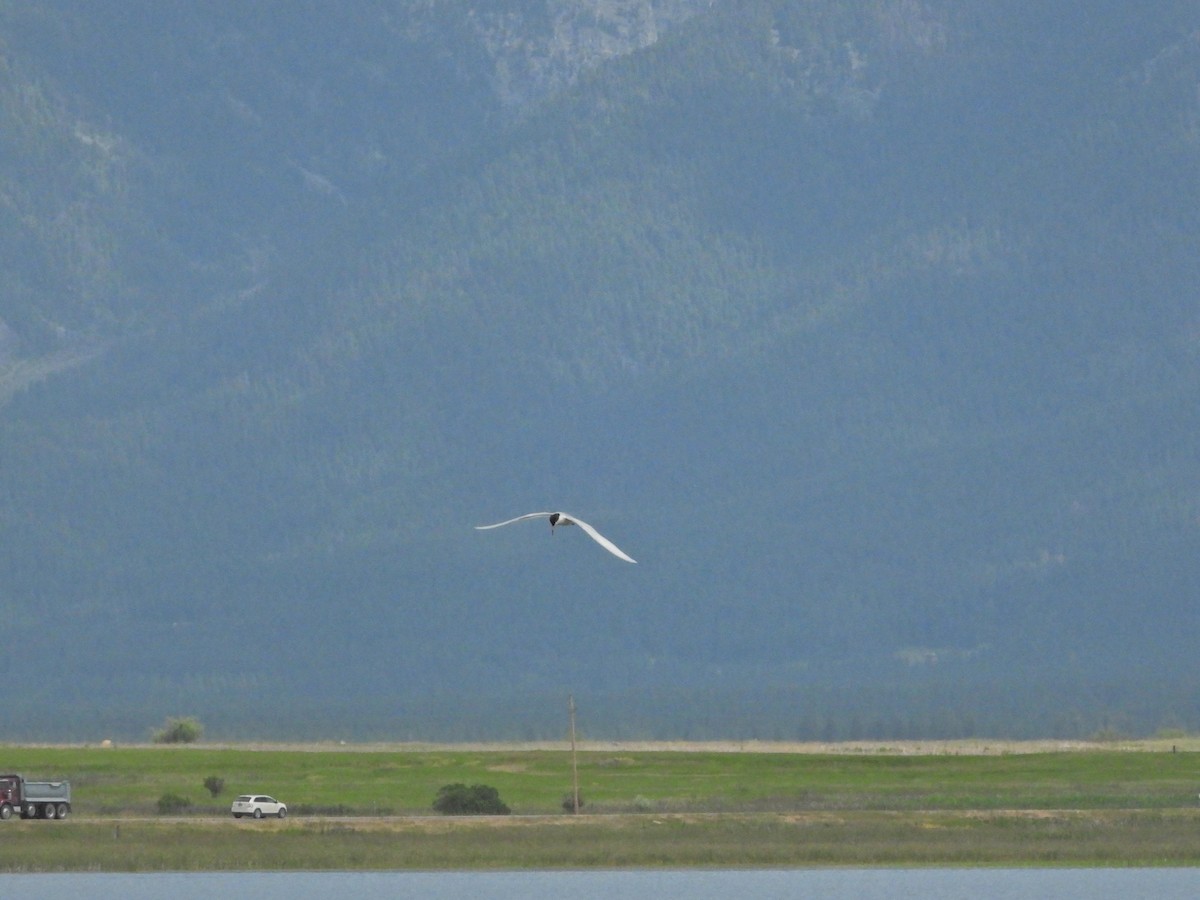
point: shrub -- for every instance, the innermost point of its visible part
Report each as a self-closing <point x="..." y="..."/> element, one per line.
<point x="568" y="802"/>
<point x="179" y="731"/>
<point x="476" y="800"/>
<point x="214" y="785"/>
<point x="172" y="803"/>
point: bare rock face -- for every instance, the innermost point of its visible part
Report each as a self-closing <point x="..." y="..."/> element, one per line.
<point x="537" y="53"/>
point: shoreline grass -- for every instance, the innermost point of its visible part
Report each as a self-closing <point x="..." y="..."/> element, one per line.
<point x="860" y="839"/>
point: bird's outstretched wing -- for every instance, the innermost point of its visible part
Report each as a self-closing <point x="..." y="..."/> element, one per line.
<point x="540" y="515"/>
<point x="602" y="540"/>
<point x="568" y="519"/>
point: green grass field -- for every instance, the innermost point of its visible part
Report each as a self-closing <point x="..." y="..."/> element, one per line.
<point x="129" y="781"/>
<point x="642" y="808"/>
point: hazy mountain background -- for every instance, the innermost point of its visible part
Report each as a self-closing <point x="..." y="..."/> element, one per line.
<point x="871" y="329"/>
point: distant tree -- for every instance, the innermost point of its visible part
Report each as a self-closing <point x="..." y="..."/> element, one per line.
<point x="184" y="730"/>
<point x="172" y="803"/>
<point x="1164" y="733"/>
<point x="214" y="785"/>
<point x="476" y="800"/>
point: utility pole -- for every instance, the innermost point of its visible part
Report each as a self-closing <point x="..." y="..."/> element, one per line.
<point x="574" y="760"/>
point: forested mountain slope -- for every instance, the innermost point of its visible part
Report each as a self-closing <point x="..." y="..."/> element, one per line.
<point x="870" y="329"/>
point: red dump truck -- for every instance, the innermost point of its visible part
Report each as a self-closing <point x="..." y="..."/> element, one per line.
<point x="34" y="799"/>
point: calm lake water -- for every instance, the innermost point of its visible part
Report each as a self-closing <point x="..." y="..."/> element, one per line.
<point x="859" y="884"/>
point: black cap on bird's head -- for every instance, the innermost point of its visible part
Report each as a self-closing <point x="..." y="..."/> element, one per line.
<point x="554" y="517"/>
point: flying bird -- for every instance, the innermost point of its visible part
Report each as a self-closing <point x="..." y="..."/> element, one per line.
<point x="560" y="518"/>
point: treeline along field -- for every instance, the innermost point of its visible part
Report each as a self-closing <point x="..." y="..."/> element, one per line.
<point x="371" y="809"/>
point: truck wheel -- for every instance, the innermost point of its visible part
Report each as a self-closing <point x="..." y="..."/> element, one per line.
<point x="48" y="810"/>
<point x="31" y="811"/>
<point x="5" y="811"/>
<point x="63" y="809"/>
